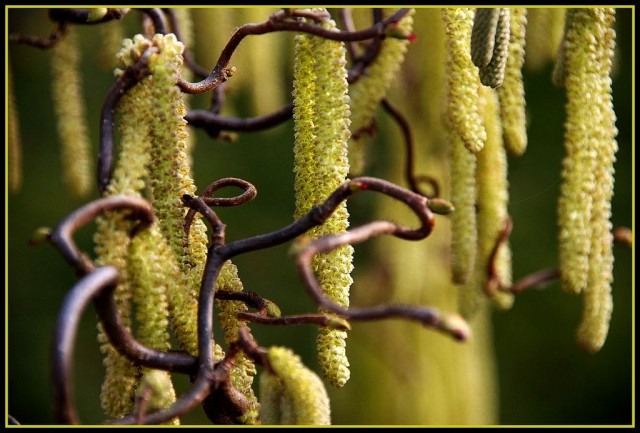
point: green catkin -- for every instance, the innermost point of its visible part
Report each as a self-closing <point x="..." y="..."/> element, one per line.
<point x="463" y="79"/>
<point x="14" y="143"/>
<point x="584" y="135"/>
<point x="292" y="394"/>
<point x="112" y="235"/>
<point x="67" y="96"/>
<point x="150" y="280"/>
<point x="492" y="201"/>
<point x="544" y="34"/>
<point x="511" y="92"/>
<point x="483" y="35"/>
<point x="366" y="93"/>
<point x="321" y="164"/>
<point x="598" y="303"/>
<point x="170" y="180"/>
<point x="490" y="44"/>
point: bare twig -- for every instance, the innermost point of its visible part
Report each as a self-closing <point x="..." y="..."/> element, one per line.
<point x="280" y="21"/>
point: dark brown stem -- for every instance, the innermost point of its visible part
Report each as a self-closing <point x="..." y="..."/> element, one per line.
<point x="317" y="319"/>
<point x="84" y="16"/>
<point x="38" y="42"/>
<point x="189" y="61"/>
<point x="65" y="337"/>
<point x="538" y="279"/>
<point x="493" y="278"/>
<point x="280" y="21"/>
<point x="129" y="78"/>
<point x="213" y="123"/>
<point x="157" y="18"/>
<point x="412" y="180"/>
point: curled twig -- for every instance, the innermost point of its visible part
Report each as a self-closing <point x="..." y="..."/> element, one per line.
<point x="412" y="179"/>
<point x="157" y="18"/>
<point x="280" y="21"/>
<point x="87" y="16"/>
<point x="61" y="236"/>
<point x="248" y="194"/>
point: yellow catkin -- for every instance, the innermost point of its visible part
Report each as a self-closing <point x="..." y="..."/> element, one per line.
<point x="14" y="143"/>
<point x="463" y="79"/>
<point x="67" y="96"/>
<point x="598" y="303"/>
<point x="366" y="93"/>
<point x="150" y="280"/>
<point x="462" y="185"/>
<point x="511" y="92"/>
<point x="492" y="201"/>
<point x="321" y="164"/>
<point x="296" y="395"/>
<point x="544" y="33"/>
<point x="584" y="134"/>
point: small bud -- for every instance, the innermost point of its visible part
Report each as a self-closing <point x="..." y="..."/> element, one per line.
<point x="440" y="206"/>
<point x="40" y="235"/>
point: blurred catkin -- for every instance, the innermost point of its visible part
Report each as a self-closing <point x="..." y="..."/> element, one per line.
<point x="13" y="138"/>
<point x="67" y="95"/>
<point x="544" y="34"/>
<point x="366" y="93"/>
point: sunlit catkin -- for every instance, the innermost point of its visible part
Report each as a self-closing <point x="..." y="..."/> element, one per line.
<point x="292" y="394"/>
<point x="366" y="93"/>
<point x="511" y="92"/>
<point x="67" y="95"/>
<point x="463" y="80"/>
<point x="156" y="392"/>
<point x="587" y="172"/>
<point x="13" y="138"/>
<point x="321" y="164"/>
<point x="598" y="303"/>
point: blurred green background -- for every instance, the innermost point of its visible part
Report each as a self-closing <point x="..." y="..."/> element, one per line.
<point x="544" y="378"/>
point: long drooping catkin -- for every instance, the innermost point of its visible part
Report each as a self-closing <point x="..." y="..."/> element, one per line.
<point x="598" y="303"/>
<point x="589" y="142"/>
<point x="544" y="33"/>
<point x="511" y="92"/>
<point x="463" y="79"/>
<point x="321" y="164"/>
<point x="67" y="95"/>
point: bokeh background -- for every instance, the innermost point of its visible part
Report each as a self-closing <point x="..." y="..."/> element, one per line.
<point x="543" y="377"/>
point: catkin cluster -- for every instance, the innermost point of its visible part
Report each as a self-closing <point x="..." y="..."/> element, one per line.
<point x="584" y="207"/>
<point x="321" y="164"/>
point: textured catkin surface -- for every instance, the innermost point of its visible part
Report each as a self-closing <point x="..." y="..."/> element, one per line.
<point x="321" y="164"/>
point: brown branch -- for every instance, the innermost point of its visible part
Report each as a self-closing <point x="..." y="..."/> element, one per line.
<point x="213" y="123"/>
<point x="410" y="176"/>
<point x="280" y="21"/>
<point x="38" y="42"/>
